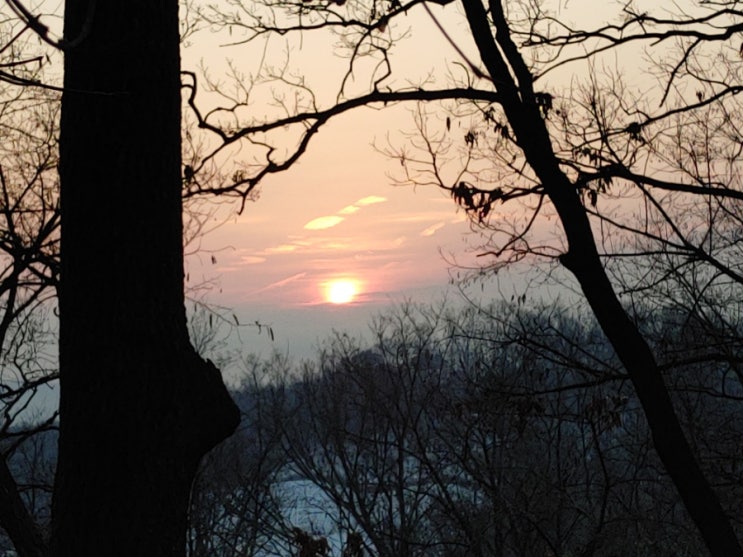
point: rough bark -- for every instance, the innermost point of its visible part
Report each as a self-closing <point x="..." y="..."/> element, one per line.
<point x="138" y="407"/>
<point x="514" y="83"/>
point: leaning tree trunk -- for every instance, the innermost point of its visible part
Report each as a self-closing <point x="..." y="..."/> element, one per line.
<point x="138" y="407"/>
<point x="514" y="84"/>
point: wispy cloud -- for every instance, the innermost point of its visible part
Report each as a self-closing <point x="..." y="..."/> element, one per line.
<point x="431" y="230"/>
<point x="282" y="282"/>
<point x="283" y="248"/>
<point x="321" y="223"/>
<point x="413" y="217"/>
<point x="252" y="259"/>
<point x="370" y="200"/>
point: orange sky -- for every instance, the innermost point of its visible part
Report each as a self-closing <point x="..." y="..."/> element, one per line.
<point x="274" y="260"/>
<point x="335" y="214"/>
<point x="335" y="217"/>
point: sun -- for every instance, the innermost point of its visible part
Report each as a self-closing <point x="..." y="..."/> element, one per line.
<point x="341" y="291"/>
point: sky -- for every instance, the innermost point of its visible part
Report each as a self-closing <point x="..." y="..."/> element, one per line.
<point x="336" y="215"/>
<point x="333" y="217"/>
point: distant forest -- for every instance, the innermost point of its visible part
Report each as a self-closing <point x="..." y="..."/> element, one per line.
<point x="500" y="431"/>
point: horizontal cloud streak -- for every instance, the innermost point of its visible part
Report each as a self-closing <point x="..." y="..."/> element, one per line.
<point x="431" y="230"/>
<point x="370" y="200"/>
<point x="252" y="259"/>
<point x="282" y="282"/>
<point x="348" y="210"/>
<point x="321" y="223"/>
<point x="283" y="248"/>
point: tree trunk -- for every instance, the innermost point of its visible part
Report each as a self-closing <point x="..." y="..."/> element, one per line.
<point x="514" y="83"/>
<point x="138" y="407"/>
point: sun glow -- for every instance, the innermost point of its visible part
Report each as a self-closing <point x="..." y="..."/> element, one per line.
<point x="341" y="291"/>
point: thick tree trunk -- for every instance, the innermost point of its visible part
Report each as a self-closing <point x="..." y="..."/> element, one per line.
<point x="138" y="407"/>
<point x="514" y="83"/>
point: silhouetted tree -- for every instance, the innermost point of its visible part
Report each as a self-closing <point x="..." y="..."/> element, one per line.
<point x="502" y="430"/>
<point x="139" y="408"/>
<point x="562" y="152"/>
<point x="29" y="274"/>
<point x="130" y="378"/>
<point x="238" y="508"/>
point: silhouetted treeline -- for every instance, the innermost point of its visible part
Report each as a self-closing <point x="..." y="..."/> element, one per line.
<point x="504" y="431"/>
